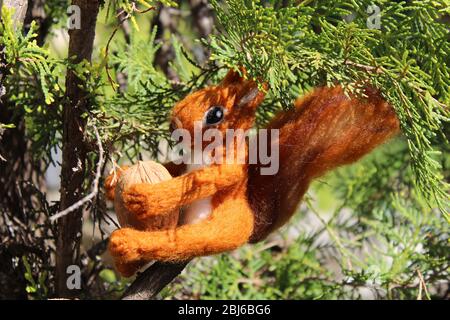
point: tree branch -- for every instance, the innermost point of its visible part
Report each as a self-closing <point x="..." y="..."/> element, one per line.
<point x="149" y="283"/>
<point x="74" y="152"/>
<point x="121" y="76"/>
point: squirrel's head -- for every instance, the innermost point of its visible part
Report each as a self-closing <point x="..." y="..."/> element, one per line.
<point x="229" y="105"/>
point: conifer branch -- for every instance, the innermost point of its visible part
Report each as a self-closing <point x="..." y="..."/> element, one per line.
<point x="149" y="283"/>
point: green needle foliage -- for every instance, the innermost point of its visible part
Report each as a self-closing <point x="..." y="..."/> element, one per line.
<point x="328" y="42"/>
<point x="24" y="58"/>
<point x="32" y="83"/>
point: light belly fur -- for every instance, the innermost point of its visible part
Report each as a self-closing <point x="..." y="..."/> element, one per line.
<point x="199" y="209"/>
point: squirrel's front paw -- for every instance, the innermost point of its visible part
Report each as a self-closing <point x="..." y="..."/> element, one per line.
<point x="131" y="249"/>
<point x="137" y="202"/>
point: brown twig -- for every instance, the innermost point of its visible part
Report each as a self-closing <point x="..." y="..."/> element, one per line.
<point x="367" y="68"/>
<point x="121" y="76"/>
<point x="423" y="285"/>
<point x="94" y="191"/>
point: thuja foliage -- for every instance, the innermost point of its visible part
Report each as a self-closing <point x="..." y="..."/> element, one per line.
<point x="378" y="229"/>
<point x="32" y="83"/>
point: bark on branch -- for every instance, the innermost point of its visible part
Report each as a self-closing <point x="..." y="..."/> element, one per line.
<point x="149" y="283"/>
<point x="74" y="152"/>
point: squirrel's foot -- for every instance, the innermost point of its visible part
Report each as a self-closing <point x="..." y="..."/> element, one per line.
<point x="133" y="248"/>
<point x="124" y="245"/>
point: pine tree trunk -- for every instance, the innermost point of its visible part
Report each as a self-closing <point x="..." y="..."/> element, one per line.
<point x="74" y="151"/>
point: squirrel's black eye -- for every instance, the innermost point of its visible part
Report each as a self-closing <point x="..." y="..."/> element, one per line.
<point x="214" y="115"/>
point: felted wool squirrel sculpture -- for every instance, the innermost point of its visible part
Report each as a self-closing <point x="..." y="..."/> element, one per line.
<point x="324" y="130"/>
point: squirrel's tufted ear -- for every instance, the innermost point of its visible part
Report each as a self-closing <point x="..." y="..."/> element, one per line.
<point x="248" y="94"/>
<point x="234" y="77"/>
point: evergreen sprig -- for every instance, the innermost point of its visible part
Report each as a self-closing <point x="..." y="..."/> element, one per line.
<point x="24" y="58"/>
<point x="32" y="84"/>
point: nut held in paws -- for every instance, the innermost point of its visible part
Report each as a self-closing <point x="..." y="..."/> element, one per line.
<point x="143" y="172"/>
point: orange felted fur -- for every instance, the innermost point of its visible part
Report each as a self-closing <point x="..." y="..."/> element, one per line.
<point x="326" y="129"/>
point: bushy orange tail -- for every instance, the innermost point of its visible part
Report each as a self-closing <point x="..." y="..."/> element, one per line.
<point x="326" y="129"/>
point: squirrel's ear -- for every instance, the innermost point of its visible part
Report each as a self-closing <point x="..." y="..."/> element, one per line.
<point x="234" y="77"/>
<point x="248" y="95"/>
